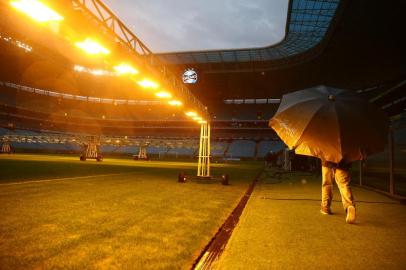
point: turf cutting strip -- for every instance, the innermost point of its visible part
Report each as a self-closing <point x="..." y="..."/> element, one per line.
<point x="217" y="244"/>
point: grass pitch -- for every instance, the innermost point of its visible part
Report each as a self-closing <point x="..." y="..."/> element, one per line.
<point x="60" y="213"/>
<point x="282" y="228"/>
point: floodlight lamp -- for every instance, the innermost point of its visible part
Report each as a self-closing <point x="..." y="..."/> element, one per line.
<point x="36" y="10"/>
<point x="79" y="68"/>
<point x="125" y="69"/>
<point x="163" y="94"/>
<point x="95" y="72"/>
<point x="99" y="72"/>
<point x="92" y="47"/>
<point x="176" y="103"/>
<point x="191" y="114"/>
<point x="148" y="84"/>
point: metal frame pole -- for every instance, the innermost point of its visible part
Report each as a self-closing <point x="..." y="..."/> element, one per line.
<point x="199" y="163"/>
<point x="208" y="149"/>
<point x="142" y="153"/>
<point x="204" y="150"/>
<point x="203" y="166"/>
<point x="204" y="171"/>
<point x="360" y="172"/>
<point x="6" y="148"/>
<point x="391" y="162"/>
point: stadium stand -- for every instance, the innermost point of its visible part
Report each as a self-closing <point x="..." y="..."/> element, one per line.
<point x="45" y="91"/>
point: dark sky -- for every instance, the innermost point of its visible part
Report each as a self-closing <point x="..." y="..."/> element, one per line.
<point x="180" y="25"/>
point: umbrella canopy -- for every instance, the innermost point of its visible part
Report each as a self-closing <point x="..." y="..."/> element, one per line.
<point x="332" y="124"/>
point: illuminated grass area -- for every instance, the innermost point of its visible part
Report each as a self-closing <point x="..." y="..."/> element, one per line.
<point x="138" y="218"/>
<point x="282" y="228"/>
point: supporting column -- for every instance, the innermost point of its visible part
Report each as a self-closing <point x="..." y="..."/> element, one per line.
<point x="6" y="148"/>
<point x="361" y="163"/>
<point x="391" y="162"/>
<point x="287" y="164"/>
<point x="203" y="166"/>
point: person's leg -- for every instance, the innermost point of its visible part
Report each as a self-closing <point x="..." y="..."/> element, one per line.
<point x="343" y="179"/>
<point x="326" y="189"/>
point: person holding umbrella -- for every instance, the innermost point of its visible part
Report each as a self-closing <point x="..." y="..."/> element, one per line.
<point x="340" y="173"/>
<point x="338" y="127"/>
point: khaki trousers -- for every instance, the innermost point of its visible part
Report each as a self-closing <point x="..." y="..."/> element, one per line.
<point x="342" y="178"/>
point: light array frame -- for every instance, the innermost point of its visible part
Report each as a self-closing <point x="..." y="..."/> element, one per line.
<point x="99" y="12"/>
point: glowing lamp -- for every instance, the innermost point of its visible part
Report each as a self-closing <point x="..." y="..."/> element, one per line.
<point x="95" y="72"/>
<point x="202" y="122"/>
<point x="99" y="72"/>
<point x="79" y="68"/>
<point x="36" y="10"/>
<point x="92" y="47"/>
<point x="176" y="103"/>
<point x="163" y="94"/>
<point x="125" y="69"/>
<point x="197" y="118"/>
<point x="148" y="84"/>
<point x="191" y="114"/>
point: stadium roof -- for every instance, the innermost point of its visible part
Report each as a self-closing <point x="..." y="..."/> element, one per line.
<point x="352" y="44"/>
<point x="361" y="49"/>
<point x="307" y="25"/>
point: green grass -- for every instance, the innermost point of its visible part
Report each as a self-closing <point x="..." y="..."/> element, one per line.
<point x="281" y="228"/>
<point x="33" y="167"/>
<point x="137" y="218"/>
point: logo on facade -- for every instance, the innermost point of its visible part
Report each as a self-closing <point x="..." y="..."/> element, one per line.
<point x="190" y="76"/>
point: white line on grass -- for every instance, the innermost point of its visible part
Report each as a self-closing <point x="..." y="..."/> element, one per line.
<point x="60" y="179"/>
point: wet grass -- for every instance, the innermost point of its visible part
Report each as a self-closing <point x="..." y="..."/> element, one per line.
<point x="129" y="215"/>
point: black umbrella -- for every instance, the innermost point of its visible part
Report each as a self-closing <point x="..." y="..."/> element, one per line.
<point x="331" y="124"/>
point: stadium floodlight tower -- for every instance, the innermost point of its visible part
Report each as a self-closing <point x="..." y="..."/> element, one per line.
<point x="112" y="26"/>
<point x="203" y="165"/>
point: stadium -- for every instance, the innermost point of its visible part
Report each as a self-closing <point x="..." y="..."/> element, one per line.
<point x="113" y="156"/>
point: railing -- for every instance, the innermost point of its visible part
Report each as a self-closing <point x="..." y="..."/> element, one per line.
<point x="104" y="140"/>
<point x="79" y="98"/>
<point x="386" y="171"/>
